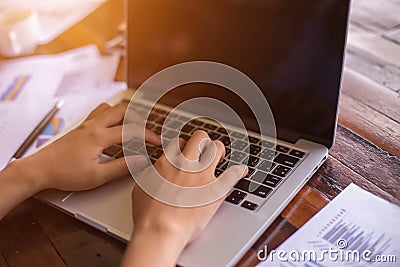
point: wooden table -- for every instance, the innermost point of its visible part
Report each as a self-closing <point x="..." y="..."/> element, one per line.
<point x="366" y="151"/>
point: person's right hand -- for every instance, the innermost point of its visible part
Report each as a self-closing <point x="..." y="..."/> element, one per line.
<point x="178" y="225"/>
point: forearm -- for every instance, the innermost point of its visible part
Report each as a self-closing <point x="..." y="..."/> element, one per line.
<point x="152" y="249"/>
<point x="18" y="181"/>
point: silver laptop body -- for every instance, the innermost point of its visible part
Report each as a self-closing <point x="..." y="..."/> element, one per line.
<point x="236" y="226"/>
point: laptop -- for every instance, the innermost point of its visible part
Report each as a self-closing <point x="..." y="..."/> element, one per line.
<point x="292" y="50"/>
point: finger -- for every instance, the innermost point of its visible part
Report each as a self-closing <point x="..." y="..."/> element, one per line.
<point x="174" y="147"/>
<point x="99" y="109"/>
<point x="114" y="135"/>
<point x="112" y="116"/>
<point x="213" y="154"/>
<point x="119" y="167"/>
<point x="193" y="147"/>
<point x="232" y="175"/>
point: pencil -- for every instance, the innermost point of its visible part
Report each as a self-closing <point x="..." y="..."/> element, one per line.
<point x="36" y="132"/>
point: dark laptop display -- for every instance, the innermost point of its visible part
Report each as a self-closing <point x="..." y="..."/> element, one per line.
<point x="292" y="49"/>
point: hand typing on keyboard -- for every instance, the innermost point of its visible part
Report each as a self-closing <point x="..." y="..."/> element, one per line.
<point x="170" y="227"/>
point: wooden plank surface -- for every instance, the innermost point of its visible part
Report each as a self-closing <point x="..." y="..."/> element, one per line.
<point x="366" y="151"/>
<point x="23" y="241"/>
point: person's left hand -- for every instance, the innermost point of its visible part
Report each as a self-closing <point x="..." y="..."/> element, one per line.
<point x="72" y="162"/>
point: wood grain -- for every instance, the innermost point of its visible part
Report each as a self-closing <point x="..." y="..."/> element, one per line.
<point x="303" y="206"/>
<point x="375" y="96"/>
<point x="371" y="162"/>
<point x="77" y="243"/>
<point x="374" y="45"/>
<point x="23" y="241"/>
<point x="375" y="15"/>
<point x="371" y="124"/>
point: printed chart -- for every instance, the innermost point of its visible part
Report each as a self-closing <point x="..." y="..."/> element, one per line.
<point x="13" y="89"/>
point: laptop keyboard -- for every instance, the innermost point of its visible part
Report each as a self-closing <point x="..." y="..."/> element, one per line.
<point x="268" y="164"/>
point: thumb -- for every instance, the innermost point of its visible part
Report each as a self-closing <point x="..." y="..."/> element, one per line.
<point x="232" y="175"/>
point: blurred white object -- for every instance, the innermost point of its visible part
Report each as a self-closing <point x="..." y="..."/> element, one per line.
<point x="19" y="32"/>
<point x="55" y="16"/>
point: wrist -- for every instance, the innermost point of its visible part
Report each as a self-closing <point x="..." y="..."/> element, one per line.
<point x="29" y="173"/>
<point x="152" y="247"/>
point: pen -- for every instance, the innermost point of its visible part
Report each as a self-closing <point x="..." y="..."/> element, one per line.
<point x="35" y="133"/>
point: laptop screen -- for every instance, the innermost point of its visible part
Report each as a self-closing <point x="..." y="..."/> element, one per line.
<point x="292" y="49"/>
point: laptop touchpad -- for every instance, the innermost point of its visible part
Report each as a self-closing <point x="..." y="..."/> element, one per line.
<point x="109" y="205"/>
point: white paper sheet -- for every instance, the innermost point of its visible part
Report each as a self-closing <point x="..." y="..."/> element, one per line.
<point x="29" y="87"/>
<point x="355" y="223"/>
<point x="55" y="16"/>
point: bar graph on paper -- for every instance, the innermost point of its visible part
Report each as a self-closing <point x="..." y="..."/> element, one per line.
<point x="349" y="235"/>
<point x="14" y="88"/>
<point x="355" y="221"/>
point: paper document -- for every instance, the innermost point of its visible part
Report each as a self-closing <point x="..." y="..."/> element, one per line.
<point x="355" y="229"/>
<point x="30" y="86"/>
<point x="55" y="16"/>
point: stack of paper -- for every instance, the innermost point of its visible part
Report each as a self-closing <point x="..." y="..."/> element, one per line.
<point x="29" y="87"/>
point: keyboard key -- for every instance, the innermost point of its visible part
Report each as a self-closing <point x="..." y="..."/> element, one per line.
<point x="266" y="166"/>
<point x="152" y="117"/>
<point x="187" y="129"/>
<point x="222" y="130"/>
<point x="239" y="145"/>
<point x="184" y="118"/>
<point x="225" y="140"/>
<point x="267" y="144"/>
<point x="210" y="127"/>
<point x="251" y="161"/>
<point x="173" y="115"/>
<point x="227" y="151"/>
<point x="250" y="173"/>
<point x="237" y="156"/>
<point x="157" y="130"/>
<point x="196" y="122"/>
<point x="129" y="152"/>
<point x="254" y="149"/>
<point x="236" y="196"/>
<point x="224" y="166"/>
<point x="222" y="163"/>
<point x="157" y="153"/>
<point x="297" y="153"/>
<point x="272" y="181"/>
<point x="253" y="140"/>
<point x="135" y="145"/>
<point x="268" y="154"/>
<point x="282" y="149"/>
<point x="217" y="172"/>
<point x="119" y="155"/>
<point x="112" y="150"/>
<point x="259" y="177"/>
<point x="149" y="125"/>
<point x="160" y="120"/>
<point x="214" y="136"/>
<point x="160" y="111"/>
<point x="174" y="124"/>
<point x="169" y="134"/>
<point x="281" y="171"/>
<point x="237" y="135"/>
<point x="249" y="205"/>
<point x="256" y="189"/>
<point x="286" y="160"/>
<point x="185" y="137"/>
<point x="148" y="150"/>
